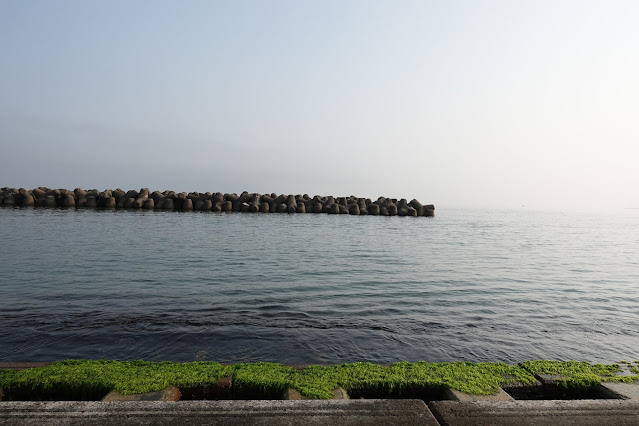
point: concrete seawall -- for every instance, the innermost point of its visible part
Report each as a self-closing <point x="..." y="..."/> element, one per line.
<point x="144" y="199"/>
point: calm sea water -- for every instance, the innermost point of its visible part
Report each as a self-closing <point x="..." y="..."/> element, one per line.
<point x="472" y="285"/>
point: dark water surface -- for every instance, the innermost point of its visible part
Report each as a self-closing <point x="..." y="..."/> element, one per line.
<point x="466" y="285"/>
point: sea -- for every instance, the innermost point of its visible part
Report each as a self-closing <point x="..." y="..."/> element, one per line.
<point x="465" y="285"/>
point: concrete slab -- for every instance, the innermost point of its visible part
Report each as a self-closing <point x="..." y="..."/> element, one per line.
<point x="293" y="394"/>
<point x="455" y="395"/>
<point x="537" y="413"/>
<point x="235" y="413"/>
<point x="548" y="379"/>
<point x="169" y="394"/>
<point x="620" y="390"/>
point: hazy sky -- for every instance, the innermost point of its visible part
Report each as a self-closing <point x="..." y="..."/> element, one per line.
<point x="456" y="103"/>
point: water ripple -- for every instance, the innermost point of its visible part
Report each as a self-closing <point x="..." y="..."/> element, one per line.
<point x="469" y="285"/>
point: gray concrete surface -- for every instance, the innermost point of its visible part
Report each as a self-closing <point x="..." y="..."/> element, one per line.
<point x="295" y="395"/>
<point x="455" y="395"/>
<point x="620" y="390"/>
<point x="241" y="413"/>
<point x="169" y="394"/>
<point x="537" y="413"/>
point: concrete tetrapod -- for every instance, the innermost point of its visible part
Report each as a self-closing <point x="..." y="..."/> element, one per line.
<point x="211" y="201"/>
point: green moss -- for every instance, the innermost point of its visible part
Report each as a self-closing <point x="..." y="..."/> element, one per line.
<point x="85" y="379"/>
<point x="318" y="382"/>
<point x="579" y="375"/>
<point x="571" y="368"/>
<point x="262" y="378"/>
<point x="406" y="378"/>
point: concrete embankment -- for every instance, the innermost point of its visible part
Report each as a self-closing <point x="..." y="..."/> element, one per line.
<point x="614" y="402"/>
<point x="376" y="412"/>
<point x="215" y="202"/>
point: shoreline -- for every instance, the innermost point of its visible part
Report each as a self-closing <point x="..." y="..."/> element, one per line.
<point x="566" y="393"/>
<point x="93" y="379"/>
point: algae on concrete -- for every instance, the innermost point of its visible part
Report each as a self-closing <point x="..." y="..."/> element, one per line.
<point x="580" y="375"/>
<point x="86" y="379"/>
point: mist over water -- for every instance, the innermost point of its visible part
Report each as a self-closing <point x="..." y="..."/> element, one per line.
<point x="473" y="285"/>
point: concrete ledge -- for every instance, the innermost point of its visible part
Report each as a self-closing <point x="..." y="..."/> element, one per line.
<point x="241" y="413"/>
<point x="620" y="390"/>
<point x="456" y="395"/>
<point x="529" y="413"/>
<point x="295" y="395"/>
<point x="169" y="394"/>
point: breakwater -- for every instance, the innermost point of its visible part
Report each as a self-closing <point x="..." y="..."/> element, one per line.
<point x="215" y="202"/>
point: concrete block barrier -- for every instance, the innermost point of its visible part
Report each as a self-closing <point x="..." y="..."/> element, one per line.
<point x="246" y="202"/>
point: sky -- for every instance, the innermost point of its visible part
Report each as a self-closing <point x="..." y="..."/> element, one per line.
<point x="489" y="104"/>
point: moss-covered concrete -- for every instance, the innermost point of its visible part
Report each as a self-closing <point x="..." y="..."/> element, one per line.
<point x="87" y="379"/>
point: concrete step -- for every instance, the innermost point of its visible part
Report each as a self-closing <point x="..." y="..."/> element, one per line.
<point x="620" y="390"/>
<point x="537" y="413"/>
<point x="235" y="413"/>
<point x="295" y="395"/>
<point x="169" y="394"/>
<point x="455" y="395"/>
